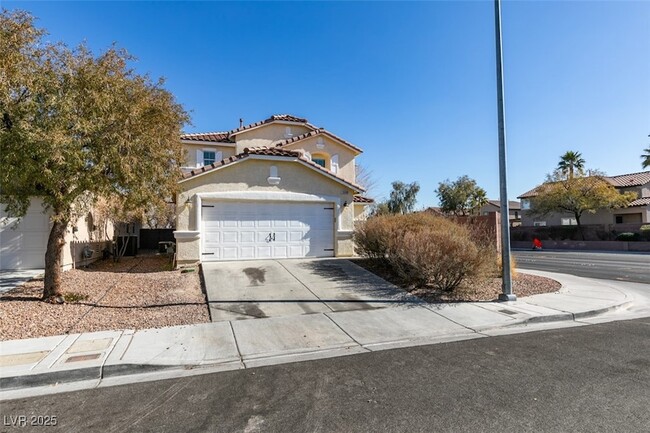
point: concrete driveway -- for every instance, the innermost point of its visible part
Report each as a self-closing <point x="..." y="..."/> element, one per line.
<point x="275" y="288"/>
<point x="11" y="279"/>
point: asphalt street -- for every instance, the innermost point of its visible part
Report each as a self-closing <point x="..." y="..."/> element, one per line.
<point x="631" y="267"/>
<point x="581" y="379"/>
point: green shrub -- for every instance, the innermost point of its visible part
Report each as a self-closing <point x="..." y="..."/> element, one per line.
<point x="426" y="250"/>
<point x="628" y="237"/>
<point x="645" y="232"/>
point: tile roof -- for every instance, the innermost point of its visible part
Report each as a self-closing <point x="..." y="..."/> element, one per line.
<point x="632" y="179"/>
<point x="273" y="118"/>
<point x="511" y="204"/>
<point x="620" y="181"/>
<point x="314" y="133"/>
<point x="217" y="137"/>
<point x="643" y="201"/>
<point x="362" y="199"/>
<point x="268" y="151"/>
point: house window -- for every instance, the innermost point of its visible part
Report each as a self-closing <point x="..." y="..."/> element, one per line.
<point x="539" y="223"/>
<point x="287" y="132"/>
<point x="209" y="157"/>
<point x="516" y="215"/>
<point x="525" y="204"/>
<point x="321" y="159"/>
<point x="619" y="219"/>
<point x="569" y="222"/>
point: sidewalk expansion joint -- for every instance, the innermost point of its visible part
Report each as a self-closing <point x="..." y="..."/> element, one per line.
<point x="344" y="331"/>
<point x="241" y="358"/>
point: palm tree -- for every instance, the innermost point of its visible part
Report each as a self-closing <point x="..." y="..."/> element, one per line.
<point x="646" y="158"/>
<point x="570" y="162"/>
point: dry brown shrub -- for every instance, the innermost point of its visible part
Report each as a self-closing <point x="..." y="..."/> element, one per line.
<point x="425" y="249"/>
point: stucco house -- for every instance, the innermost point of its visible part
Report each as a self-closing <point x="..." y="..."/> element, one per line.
<point x="514" y="210"/>
<point x="638" y="212"/>
<point x="23" y="241"/>
<point x="278" y="188"/>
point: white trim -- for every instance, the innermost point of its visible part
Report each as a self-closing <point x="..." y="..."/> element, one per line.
<point x="187" y="234"/>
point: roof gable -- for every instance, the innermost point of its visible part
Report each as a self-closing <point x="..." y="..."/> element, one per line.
<point x="269" y="152"/>
<point x="276" y="118"/>
<point x="316" y="133"/>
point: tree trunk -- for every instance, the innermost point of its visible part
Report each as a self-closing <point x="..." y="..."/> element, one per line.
<point x="582" y="235"/>
<point x="53" y="261"/>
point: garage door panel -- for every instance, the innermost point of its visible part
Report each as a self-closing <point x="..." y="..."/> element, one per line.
<point x="258" y="230"/>
<point x="247" y="237"/>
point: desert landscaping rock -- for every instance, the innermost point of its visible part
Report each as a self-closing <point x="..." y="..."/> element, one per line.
<point x="135" y="293"/>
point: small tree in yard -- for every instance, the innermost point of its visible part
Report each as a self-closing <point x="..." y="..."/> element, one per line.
<point x="75" y="128"/>
<point x="403" y="197"/>
<point x="461" y="197"/>
<point x="577" y="195"/>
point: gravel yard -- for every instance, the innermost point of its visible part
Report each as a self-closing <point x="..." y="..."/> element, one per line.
<point x="136" y="293"/>
<point x="486" y="289"/>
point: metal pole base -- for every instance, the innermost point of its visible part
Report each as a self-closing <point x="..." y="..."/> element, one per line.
<point x="507" y="297"/>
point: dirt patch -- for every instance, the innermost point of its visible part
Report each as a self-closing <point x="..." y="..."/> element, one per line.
<point x="485" y="289"/>
<point x="136" y="293"/>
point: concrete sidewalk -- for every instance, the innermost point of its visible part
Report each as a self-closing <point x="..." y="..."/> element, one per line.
<point x="46" y="365"/>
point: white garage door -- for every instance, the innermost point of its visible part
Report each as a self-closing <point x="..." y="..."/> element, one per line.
<point x="255" y="230"/>
<point x="22" y="245"/>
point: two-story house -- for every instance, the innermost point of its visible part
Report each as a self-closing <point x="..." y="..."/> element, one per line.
<point x="278" y="188"/>
<point x="514" y="210"/>
<point x="637" y="212"/>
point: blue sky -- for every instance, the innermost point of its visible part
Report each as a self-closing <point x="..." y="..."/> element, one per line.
<point x="413" y="84"/>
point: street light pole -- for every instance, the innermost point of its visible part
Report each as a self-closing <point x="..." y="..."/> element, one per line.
<point x="507" y="294"/>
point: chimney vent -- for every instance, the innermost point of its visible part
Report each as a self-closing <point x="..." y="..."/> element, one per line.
<point x="241" y="122"/>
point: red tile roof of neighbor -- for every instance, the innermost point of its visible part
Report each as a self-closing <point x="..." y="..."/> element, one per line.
<point x="514" y="205"/>
<point x="362" y="199"/>
<point x="632" y="179"/>
<point x="643" y="201"/>
<point x="314" y="133"/>
<point x="620" y="181"/>
<point x="268" y="151"/>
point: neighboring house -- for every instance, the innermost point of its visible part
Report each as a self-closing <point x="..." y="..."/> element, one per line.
<point x="514" y="210"/>
<point x="279" y="188"/>
<point x="23" y="241"/>
<point x="638" y="212"/>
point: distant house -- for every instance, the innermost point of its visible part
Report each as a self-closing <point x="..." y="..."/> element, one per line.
<point x="638" y="212"/>
<point x="514" y="210"/>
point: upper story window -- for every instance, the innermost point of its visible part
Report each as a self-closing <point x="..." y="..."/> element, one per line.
<point x="287" y="132"/>
<point x="207" y="157"/>
<point x="321" y="159"/>
<point x="525" y="204"/>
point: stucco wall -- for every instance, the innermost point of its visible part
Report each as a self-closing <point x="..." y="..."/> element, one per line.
<point x="266" y="135"/>
<point x="251" y="175"/>
<point x="331" y="147"/>
<point x="600" y="217"/>
<point x="190" y="152"/>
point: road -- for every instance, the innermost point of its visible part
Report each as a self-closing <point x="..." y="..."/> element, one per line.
<point x="590" y="379"/>
<point x="590" y="264"/>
